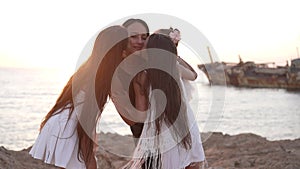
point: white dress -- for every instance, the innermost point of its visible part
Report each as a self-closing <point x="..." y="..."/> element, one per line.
<point x="173" y="155"/>
<point x="57" y="142"/>
<point x="178" y="157"/>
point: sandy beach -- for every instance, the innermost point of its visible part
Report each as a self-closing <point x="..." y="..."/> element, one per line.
<point x="222" y="151"/>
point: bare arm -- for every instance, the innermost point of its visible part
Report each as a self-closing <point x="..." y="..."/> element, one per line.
<point x="141" y="90"/>
<point x="186" y="70"/>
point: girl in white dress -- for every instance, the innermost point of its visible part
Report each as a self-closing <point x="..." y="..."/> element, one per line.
<point x="67" y="133"/>
<point x="170" y="138"/>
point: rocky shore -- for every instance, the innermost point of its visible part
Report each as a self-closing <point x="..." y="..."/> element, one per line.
<point x="222" y="151"/>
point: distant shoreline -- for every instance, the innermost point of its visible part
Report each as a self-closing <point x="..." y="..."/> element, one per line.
<point x="222" y="150"/>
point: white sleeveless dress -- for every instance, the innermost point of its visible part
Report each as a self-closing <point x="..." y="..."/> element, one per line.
<point x="178" y="157"/>
<point x="173" y="155"/>
<point x="57" y="142"/>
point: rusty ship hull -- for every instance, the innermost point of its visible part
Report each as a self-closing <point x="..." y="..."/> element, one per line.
<point x="253" y="75"/>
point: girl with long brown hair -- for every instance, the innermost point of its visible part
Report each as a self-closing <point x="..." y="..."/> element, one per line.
<point x="170" y="138"/>
<point x="67" y="133"/>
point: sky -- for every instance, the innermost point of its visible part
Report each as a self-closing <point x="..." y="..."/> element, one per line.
<point x="52" y="34"/>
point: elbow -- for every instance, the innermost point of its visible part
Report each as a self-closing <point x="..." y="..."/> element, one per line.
<point x="195" y="76"/>
<point x="191" y="77"/>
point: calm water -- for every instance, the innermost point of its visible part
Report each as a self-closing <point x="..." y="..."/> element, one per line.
<point x="26" y="95"/>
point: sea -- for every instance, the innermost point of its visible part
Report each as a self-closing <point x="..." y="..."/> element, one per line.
<point x="27" y="94"/>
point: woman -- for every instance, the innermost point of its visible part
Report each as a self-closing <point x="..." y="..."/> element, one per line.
<point x="138" y="32"/>
<point x="170" y="138"/>
<point x="67" y="133"/>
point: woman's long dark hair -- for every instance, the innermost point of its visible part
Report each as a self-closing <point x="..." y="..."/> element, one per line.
<point x="164" y="81"/>
<point x="108" y="49"/>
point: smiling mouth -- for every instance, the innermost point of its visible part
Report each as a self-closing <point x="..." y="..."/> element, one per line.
<point x="138" y="47"/>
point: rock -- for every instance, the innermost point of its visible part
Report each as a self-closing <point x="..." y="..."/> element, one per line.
<point x="222" y="151"/>
<point x="251" y="151"/>
<point x="20" y="160"/>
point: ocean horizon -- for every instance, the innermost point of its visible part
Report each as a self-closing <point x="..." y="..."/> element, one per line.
<point x="28" y="94"/>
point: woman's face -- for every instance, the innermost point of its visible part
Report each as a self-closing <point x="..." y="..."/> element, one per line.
<point x="137" y="37"/>
<point x="175" y="36"/>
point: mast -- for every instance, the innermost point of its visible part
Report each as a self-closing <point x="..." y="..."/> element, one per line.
<point x="211" y="60"/>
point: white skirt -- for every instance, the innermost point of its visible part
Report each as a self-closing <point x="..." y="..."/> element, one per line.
<point x="173" y="154"/>
<point x="178" y="157"/>
<point x="57" y="143"/>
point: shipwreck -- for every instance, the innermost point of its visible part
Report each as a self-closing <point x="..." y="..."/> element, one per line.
<point x="253" y="75"/>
